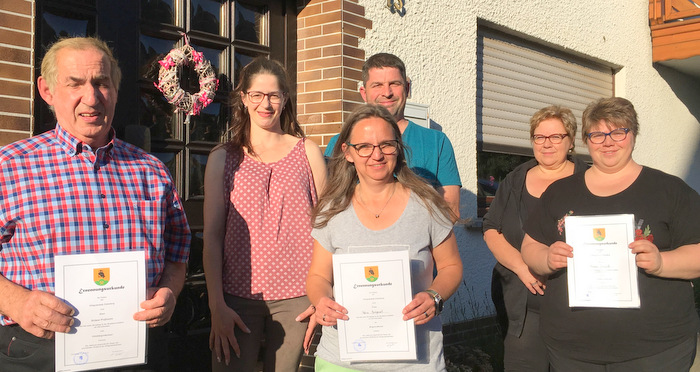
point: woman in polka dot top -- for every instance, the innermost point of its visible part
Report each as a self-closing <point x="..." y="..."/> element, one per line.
<point x="259" y="189"/>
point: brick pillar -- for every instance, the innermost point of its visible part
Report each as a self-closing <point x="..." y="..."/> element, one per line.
<point x="16" y="70"/>
<point x="329" y="64"/>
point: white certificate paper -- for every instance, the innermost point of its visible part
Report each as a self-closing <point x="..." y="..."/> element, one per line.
<point x="603" y="271"/>
<point x="105" y="289"/>
<point x="374" y="287"/>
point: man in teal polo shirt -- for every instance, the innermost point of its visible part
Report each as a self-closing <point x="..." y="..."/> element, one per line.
<point x="429" y="152"/>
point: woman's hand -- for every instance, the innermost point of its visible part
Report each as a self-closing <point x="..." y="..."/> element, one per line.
<point x="648" y="256"/>
<point x="222" y="336"/>
<point x="328" y="312"/>
<point x="421" y="309"/>
<point x="534" y="283"/>
<point x="557" y="255"/>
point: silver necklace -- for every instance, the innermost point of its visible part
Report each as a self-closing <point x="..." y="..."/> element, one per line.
<point x="376" y="215"/>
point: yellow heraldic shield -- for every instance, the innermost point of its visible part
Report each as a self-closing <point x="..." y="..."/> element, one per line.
<point x="371" y="273"/>
<point x="101" y="276"/>
<point x="599" y="234"/>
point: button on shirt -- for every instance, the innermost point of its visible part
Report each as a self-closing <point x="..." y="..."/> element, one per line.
<point x="60" y="196"/>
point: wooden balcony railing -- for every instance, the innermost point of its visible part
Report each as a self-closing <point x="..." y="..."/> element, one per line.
<point x="675" y="29"/>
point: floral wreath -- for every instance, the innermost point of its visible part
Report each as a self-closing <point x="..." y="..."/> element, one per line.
<point x="169" y="83"/>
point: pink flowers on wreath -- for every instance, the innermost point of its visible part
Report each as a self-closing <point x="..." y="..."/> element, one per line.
<point x="198" y="57"/>
<point x="167" y="62"/>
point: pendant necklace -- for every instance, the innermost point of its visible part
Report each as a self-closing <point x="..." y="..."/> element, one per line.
<point x="376" y="215"/>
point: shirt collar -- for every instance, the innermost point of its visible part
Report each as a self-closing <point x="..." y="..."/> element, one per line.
<point x="74" y="146"/>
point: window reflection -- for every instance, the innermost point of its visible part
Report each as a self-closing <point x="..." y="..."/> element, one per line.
<point x="55" y="26"/>
<point x="206" y="16"/>
<point x="249" y="23"/>
<point x="170" y="161"/>
<point x="160" y="11"/>
<point x="198" y="162"/>
<point x="152" y="49"/>
<point x="208" y="125"/>
<point x="240" y="59"/>
<point x="156" y="114"/>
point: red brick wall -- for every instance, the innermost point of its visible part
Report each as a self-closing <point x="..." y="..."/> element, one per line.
<point x="16" y="69"/>
<point x="329" y="64"/>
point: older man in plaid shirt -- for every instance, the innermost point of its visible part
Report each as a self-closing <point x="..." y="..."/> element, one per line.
<point x="78" y="189"/>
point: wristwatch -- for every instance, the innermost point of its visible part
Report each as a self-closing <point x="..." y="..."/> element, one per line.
<point x="439" y="303"/>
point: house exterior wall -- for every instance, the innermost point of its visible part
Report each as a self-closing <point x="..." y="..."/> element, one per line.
<point x="16" y="69"/>
<point x="437" y="41"/>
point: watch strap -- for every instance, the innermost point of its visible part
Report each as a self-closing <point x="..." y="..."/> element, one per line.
<point x="437" y="299"/>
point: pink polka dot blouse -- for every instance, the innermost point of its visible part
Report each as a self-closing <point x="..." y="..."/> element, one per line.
<point x="267" y="249"/>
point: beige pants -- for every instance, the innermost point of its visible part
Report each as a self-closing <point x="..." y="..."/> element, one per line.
<point x="273" y="328"/>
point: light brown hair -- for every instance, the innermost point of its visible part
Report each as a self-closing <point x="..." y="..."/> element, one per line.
<point x="240" y="121"/>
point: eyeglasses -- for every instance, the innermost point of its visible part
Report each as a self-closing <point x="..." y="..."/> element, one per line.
<point x="617" y="135"/>
<point x="366" y="150"/>
<point x="257" y="97"/>
<point x="554" y="138"/>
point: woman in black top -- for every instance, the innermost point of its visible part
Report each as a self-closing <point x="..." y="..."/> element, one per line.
<point x="515" y="289"/>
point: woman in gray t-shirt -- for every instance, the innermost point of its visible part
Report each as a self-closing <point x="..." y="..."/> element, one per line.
<point x="373" y="200"/>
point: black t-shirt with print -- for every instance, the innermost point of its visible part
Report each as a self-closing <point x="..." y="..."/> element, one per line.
<point x="665" y="209"/>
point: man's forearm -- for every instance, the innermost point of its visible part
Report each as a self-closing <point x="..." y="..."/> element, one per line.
<point x="173" y="276"/>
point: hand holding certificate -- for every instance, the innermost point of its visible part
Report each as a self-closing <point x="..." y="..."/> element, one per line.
<point x="603" y="271"/>
<point x="105" y="289"/>
<point x="374" y="288"/>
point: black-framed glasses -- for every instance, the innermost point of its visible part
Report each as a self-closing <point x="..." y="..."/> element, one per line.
<point x="616" y="135"/>
<point x="257" y="97"/>
<point x="365" y="150"/>
<point x="553" y="138"/>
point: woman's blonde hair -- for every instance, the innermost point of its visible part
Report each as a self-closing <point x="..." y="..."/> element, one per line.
<point x="557" y="112"/>
<point x="343" y="179"/>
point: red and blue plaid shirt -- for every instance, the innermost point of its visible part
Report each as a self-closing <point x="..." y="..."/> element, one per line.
<point x="59" y="196"/>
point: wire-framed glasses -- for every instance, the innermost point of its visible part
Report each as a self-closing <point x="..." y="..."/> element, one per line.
<point x="365" y="150"/>
<point x="539" y="139"/>
<point x="616" y="135"/>
<point x="257" y="97"/>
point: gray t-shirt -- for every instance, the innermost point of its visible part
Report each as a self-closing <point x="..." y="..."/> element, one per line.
<point x="417" y="231"/>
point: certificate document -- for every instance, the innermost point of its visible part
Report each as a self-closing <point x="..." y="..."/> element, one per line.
<point x="374" y="287"/>
<point x="603" y="271"/>
<point x="105" y="289"/>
